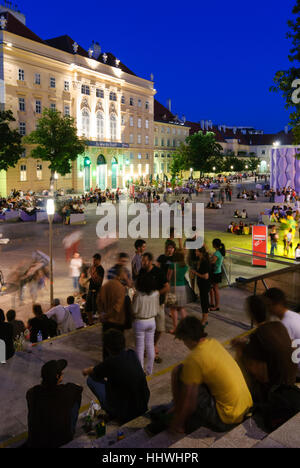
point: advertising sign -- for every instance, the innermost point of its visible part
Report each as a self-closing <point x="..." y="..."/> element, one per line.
<point x="259" y="245"/>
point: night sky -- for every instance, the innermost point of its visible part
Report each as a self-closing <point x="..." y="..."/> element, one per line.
<point x="215" y="60"/>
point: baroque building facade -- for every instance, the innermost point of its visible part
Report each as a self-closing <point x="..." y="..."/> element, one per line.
<point x="112" y="107"/>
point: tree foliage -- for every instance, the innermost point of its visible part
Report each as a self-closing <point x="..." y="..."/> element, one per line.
<point x="284" y="79"/>
<point x="11" y="148"/>
<point x="202" y="151"/>
<point x="179" y="161"/>
<point x="56" y="141"/>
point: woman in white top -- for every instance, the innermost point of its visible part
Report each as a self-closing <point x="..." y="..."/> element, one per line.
<point x="145" y="307"/>
<point x="75" y="267"/>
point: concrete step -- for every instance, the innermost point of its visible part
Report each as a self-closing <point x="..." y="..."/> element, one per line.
<point x="201" y="438"/>
<point x="245" y="435"/>
<point x="164" y="439"/>
<point x="136" y="440"/>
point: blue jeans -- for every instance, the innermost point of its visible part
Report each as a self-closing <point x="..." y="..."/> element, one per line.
<point x="99" y="390"/>
<point x="74" y="416"/>
<point x="273" y="248"/>
<point x="75" y="283"/>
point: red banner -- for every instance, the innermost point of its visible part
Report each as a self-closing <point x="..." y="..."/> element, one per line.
<point x="259" y="245"/>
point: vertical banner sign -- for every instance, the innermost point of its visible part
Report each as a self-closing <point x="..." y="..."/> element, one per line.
<point x="259" y="245"/>
<point x="131" y="189"/>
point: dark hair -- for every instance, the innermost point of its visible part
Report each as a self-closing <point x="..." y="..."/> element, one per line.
<point x="257" y="308"/>
<point x="123" y="255"/>
<point x="70" y="300"/>
<point x="139" y="243"/>
<point x="37" y="310"/>
<point x="118" y="269"/>
<point x="113" y="341"/>
<point x="276" y="296"/>
<point x="11" y="315"/>
<point x="97" y="256"/>
<point x="149" y="256"/>
<point x="179" y="258"/>
<point x="190" y="328"/>
<point x="146" y="284"/>
<point x="205" y="253"/>
<point x="2" y="316"/>
<point x="217" y="244"/>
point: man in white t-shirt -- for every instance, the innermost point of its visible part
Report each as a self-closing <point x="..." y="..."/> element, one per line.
<point x="290" y="319"/>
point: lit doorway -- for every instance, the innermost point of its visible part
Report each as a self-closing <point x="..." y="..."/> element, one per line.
<point x="101" y="172"/>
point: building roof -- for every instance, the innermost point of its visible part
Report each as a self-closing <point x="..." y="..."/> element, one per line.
<point x="65" y="43"/>
<point x="15" y="26"/>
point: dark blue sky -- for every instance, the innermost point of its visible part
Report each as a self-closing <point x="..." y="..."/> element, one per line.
<point x="215" y="60"/>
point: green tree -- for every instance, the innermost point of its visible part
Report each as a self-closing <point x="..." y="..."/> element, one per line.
<point x="56" y="141"/>
<point x="284" y="79"/>
<point x="202" y="151"/>
<point x="179" y="162"/>
<point x="11" y="148"/>
<point x="252" y="164"/>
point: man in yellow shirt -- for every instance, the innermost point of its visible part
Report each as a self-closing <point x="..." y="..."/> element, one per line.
<point x="208" y="388"/>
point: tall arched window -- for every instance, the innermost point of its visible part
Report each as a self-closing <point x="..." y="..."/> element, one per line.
<point x="100" y="125"/>
<point x="113" y="127"/>
<point x="85" y="122"/>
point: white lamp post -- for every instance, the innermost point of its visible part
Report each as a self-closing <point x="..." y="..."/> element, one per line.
<point x="50" y="213"/>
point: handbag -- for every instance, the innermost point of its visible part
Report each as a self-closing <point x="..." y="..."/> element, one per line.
<point x="171" y="299"/>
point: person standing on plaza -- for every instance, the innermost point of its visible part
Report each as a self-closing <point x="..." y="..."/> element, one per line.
<point x="122" y="261"/>
<point x="217" y="262"/>
<point x="162" y="286"/>
<point x="75" y="268"/>
<point x="136" y="263"/>
<point x="203" y="281"/>
<point x="96" y="274"/>
<point x="111" y="303"/>
<point x="145" y="307"/>
<point x="176" y="278"/>
<point x="274" y="240"/>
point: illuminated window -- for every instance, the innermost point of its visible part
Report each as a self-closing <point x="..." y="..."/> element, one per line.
<point x="131" y="121"/>
<point x="147" y="140"/>
<point x="39" y="169"/>
<point x="113" y="127"/>
<point x="100" y="93"/>
<point x="22" y="128"/>
<point x="38" y="107"/>
<point x="37" y="78"/>
<point x="131" y="138"/>
<point x="85" y="89"/>
<point x="139" y="123"/>
<point x="85" y="123"/>
<point x="21" y="75"/>
<point x="23" y="173"/>
<point x="100" y="125"/>
<point x="139" y="139"/>
<point x="22" y="104"/>
<point x="146" y="123"/>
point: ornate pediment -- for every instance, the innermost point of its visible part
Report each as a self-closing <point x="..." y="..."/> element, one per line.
<point x="112" y="109"/>
<point x="85" y="103"/>
<point x="99" y="106"/>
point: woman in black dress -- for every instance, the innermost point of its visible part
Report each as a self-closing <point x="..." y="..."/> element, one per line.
<point x="203" y="280"/>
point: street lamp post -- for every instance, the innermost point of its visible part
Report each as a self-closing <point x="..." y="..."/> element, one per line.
<point x="50" y="213"/>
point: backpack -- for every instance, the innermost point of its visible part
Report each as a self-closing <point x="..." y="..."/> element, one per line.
<point x="283" y="402"/>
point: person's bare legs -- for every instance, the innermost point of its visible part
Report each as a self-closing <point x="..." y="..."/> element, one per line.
<point x="217" y="297"/>
<point x="174" y="315"/>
